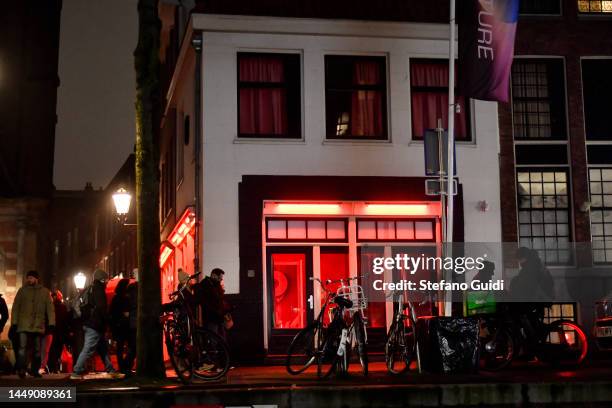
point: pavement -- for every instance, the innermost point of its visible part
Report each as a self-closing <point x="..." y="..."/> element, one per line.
<point x="526" y="384"/>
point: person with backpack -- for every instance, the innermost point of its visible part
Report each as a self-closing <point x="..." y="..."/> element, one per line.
<point x="94" y="311"/>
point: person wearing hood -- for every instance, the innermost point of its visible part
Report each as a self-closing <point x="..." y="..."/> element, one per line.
<point x="32" y="310"/>
<point x="95" y="321"/>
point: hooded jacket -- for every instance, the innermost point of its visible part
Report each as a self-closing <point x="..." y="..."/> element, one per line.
<point x="98" y="317"/>
<point x="32" y="309"/>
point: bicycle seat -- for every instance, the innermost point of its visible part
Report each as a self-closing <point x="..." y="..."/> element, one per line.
<point x="343" y="302"/>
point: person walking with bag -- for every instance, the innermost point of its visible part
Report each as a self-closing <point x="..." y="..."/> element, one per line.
<point x="32" y="309"/>
<point x="95" y="320"/>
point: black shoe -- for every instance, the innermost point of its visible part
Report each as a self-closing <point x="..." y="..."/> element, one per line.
<point x="35" y="374"/>
<point x="21" y="374"/>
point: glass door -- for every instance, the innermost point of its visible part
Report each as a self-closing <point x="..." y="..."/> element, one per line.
<point x="290" y="300"/>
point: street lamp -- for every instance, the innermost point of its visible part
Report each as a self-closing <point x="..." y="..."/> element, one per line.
<point x="79" y="280"/>
<point x="122" y="200"/>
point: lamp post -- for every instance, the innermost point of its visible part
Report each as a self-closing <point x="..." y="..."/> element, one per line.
<point x="122" y="200"/>
<point x="79" y="281"/>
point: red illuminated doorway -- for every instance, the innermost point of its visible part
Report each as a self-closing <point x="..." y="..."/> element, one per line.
<point x="290" y="295"/>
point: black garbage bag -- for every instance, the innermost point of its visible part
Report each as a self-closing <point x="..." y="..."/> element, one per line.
<point x="449" y="344"/>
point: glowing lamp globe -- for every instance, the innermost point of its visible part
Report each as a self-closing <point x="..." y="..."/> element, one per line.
<point x="79" y="280"/>
<point x="122" y="200"/>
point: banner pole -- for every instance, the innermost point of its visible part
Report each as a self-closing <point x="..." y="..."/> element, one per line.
<point x="451" y="151"/>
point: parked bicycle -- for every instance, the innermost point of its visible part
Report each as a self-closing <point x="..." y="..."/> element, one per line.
<point x="402" y="345"/>
<point x="561" y="342"/>
<point x="331" y="347"/>
<point x="193" y="351"/>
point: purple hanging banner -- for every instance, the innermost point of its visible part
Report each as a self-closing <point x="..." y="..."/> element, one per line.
<point x="486" y="48"/>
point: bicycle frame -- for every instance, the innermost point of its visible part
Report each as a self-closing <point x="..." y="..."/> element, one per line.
<point x="399" y="317"/>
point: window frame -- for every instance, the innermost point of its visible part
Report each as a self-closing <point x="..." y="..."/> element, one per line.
<point x="591" y="12"/>
<point x="306" y="219"/>
<point x="467" y="108"/>
<point x="601" y="208"/>
<point x="293" y="87"/>
<point x="395" y="221"/>
<point x="555" y="106"/>
<point x="382" y="87"/>
<point x="570" y="229"/>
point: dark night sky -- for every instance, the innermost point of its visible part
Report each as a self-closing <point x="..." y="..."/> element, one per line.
<point x="95" y="129"/>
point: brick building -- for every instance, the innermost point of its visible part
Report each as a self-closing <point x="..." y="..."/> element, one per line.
<point x="29" y="41"/>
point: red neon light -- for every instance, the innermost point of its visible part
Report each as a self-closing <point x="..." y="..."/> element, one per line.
<point x="397" y="209"/>
<point x="182" y="228"/>
<point x="320" y="209"/>
<point x="164" y="254"/>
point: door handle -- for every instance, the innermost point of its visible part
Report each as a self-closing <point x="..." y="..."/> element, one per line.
<point x="311" y="302"/>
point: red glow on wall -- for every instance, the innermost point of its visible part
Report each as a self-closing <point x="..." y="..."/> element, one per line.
<point x="315" y="209"/>
<point x="397" y="209"/>
<point x="182" y="228"/>
<point x="164" y="253"/>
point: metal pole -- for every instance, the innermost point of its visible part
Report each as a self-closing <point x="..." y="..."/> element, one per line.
<point x="451" y="150"/>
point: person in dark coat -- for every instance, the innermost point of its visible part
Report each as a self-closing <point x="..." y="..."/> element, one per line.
<point x="210" y="294"/>
<point x="94" y="326"/>
<point x="4" y="314"/>
<point x="120" y="323"/>
<point x="60" y="335"/>
<point x="132" y="298"/>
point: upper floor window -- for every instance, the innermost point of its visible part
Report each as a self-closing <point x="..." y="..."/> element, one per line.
<point x="538" y="99"/>
<point x="540" y="7"/>
<point x="429" y="93"/>
<point x="594" y="6"/>
<point x="597" y="87"/>
<point x="269" y="96"/>
<point x="355" y="97"/>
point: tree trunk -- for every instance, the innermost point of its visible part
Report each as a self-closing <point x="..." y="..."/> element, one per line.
<point x="146" y="60"/>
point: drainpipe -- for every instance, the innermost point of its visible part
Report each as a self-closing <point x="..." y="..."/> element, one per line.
<point x="196" y="43"/>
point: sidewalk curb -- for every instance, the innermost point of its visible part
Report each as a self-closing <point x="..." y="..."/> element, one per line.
<point x="428" y="395"/>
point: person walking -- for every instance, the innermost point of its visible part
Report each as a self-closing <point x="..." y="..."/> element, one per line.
<point x="95" y="321"/>
<point x="120" y="323"/>
<point x="132" y="296"/>
<point x="60" y="335"/>
<point x="210" y="295"/>
<point x="32" y="308"/>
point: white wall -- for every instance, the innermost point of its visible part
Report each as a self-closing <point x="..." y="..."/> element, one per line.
<point x="225" y="159"/>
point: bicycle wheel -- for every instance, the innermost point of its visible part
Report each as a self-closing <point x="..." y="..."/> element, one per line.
<point x="564" y="343"/>
<point x="211" y="355"/>
<point x="496" y="348"/>
<point x="329" y="343"/>
<point x="360" y="336"/>
<point x="301" y="353"/>
<point x="178" y="351"/>
<point x="399" y="348"/>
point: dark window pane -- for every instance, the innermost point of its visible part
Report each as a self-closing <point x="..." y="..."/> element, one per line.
<point x="538" y="99"/>
<point x="540" y="7"/>
<point x="597" y="88"/>
<point x="541" y="154"/>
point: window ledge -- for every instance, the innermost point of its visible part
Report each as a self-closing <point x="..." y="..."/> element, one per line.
<point x="462" y="143"/>
<point x="333" y="142"/>
<point x="269" y="141"/>
<point x="594" y="16"/>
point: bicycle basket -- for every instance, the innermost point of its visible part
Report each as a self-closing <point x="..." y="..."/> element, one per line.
<point x="355" y="294"/>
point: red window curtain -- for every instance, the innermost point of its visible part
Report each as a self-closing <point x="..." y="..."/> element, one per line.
<point x="263" y="107"/>
<point x="366" y="105"/>
<point x="429" y="105"/>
